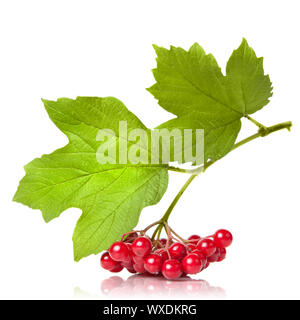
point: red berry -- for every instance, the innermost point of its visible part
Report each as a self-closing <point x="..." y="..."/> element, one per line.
<point x="191" y="264"/>
<point x="141" y="246"/>
<point x="119" y="251"/>
<point x="107" y="262"/>
<point x="171" y="269"/>
<point x="137" y="259"/>
<point x="195" y="238"/>
<point x="207" y="247"/>
<point x="131" y="237"/>
<point x="117" y="268"/>
<point x="201" y="256"/>
<point x="214" y="257"/>
<point x="183" y="275"/>
<point x="131" y="270"/>
<point x="164" y="255"/>
<point x="192" y="246"/>
<point x="222" y="255"/>
<point x="177" y="251"/>
<point x="139" y="268"/>
<point x="222" y="238"/>
<point x="206" y="265"/>
<point x="128" y="264"/>
<point x="130" y="255"/>
<point x="163" y="241"/>
<point x="153" y="263"/>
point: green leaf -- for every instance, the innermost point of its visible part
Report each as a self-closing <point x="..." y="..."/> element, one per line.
<point x="111" y="196"/>
<point x="250" y="88"/>
<point x="190" y="85"/>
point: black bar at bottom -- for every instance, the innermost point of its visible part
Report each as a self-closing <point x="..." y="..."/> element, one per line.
<point x="123" y="309"/>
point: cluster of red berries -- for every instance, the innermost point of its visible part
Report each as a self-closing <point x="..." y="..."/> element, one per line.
<point x="138" y="254"/>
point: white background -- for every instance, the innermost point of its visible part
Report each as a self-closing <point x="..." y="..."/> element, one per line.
<point x="55" y="49"/>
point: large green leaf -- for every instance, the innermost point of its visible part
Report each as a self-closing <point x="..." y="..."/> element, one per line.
<point x="190" y="85"/>
<point x="111" y="196"/>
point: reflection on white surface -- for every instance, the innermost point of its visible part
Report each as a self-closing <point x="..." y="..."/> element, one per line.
<point x="141" y="286"/>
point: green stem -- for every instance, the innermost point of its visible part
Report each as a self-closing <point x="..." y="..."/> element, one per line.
<point x="262" y="132"/>
<point x="178" y="196"/>
<point x="165" y="217"/>
<point x="258" y="124"/>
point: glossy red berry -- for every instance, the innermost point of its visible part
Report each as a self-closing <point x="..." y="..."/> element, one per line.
<point x="191" y="247"/>
<point x="223" y="238"/>
<point x="163" y="241"/>
<point x="191" y="264"/>
<point x="139" y="268"/>
<point x="177" y="251"/>
<point x="117" y="268"/>
<point x="153" y="263"/>
<point x="195" y="238"/>
<point x="201" y="256"/>
<point x="130" y="269"/>
<point x="206" y="265"/>
<point x="131" y="237"/>
<point x="107" y="262"/>
<point x="137" y="259"/>
<point x="207" y="247"/>
<point x="131" y="254"/>
<point x="138" y="254"/>
<point x="171" y="269"/>
<point x="222" y="255"/>
<point x="141" y="246"/>
<point x="128" y="264"/>
<point x="164" y="255"/>
<point x="119" y="251"/>
<point x="214" y="257"/>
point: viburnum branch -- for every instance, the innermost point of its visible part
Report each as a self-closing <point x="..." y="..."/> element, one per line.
<point x="249" y="91"/>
